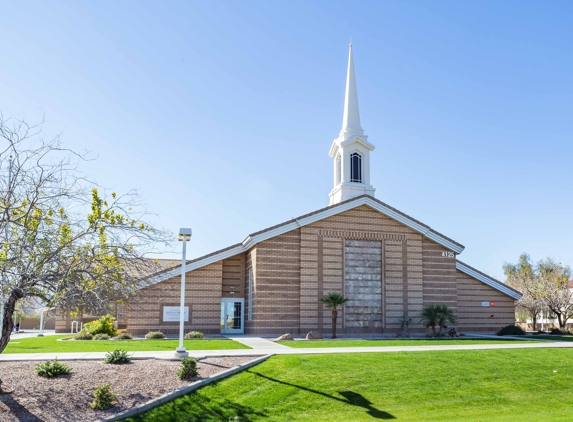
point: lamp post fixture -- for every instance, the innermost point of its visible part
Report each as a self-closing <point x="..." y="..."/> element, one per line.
<point x="41" y="333"/>
<point x="180" y="352"/>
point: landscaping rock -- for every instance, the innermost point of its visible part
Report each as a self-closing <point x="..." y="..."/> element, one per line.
<point x="314" y="335"/>
<point x="284" y="337"/>
<point x="402" y="334"/>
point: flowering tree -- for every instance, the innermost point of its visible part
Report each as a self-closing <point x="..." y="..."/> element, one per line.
<point x="63" y="241"/>
<point x="545" y="286"/>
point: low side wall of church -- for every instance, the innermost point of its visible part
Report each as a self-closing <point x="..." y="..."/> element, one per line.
<point x="203" y="292"/>
<point x="473" y="313"/>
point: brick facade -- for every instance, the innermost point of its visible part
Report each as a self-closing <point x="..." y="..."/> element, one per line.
<point x="387" y="269"/>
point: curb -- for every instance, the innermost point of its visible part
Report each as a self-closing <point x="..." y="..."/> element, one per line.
<point x="91" y="358"/>
<point x="182" y="391"/>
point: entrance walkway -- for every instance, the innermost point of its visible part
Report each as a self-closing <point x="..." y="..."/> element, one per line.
<point x="277" y="349"/>
<point x="256" y="343"/>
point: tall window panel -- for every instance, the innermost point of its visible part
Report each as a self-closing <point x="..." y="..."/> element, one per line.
<point x="250" y="302"/>
<point x="355" y="167"/>
<point x="338" y="169"/>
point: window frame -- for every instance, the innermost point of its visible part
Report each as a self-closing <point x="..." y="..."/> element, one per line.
<point x="356" y="155"/>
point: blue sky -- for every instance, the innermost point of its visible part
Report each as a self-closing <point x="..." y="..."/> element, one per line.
<point x="222" y="113"/>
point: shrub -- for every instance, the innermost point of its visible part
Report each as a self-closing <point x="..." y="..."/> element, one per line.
<point x="511" y="330"/>
<point x="52" y="369"/>
<point x="85" y="336"/>
<point x="556" y="332"/>
<point x="104" y="325"/>
<point x="101" y="337"/>
<point x="103" y="397"/>
<point x="194" y="334"/>
<point x="117" y="357"/>
<point x="188" y="369"/>
<point x="154" y="335"/>
<point x="123" y="336"/>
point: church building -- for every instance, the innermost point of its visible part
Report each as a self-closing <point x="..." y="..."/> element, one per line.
<point x="387" y="264"/>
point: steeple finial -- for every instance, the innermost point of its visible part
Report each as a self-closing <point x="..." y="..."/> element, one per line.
<point x="351" y="116"/>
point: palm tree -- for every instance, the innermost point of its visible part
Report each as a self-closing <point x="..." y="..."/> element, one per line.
<point x="430" y="316"/>
<point x="332" y="301"/>
<point x="446" y="315"/>
<point x="437" y="315"/>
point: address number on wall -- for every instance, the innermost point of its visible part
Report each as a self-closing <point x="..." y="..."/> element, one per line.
<point x="448" y="254"/>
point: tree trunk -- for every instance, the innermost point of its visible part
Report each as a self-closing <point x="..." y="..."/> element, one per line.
<point x="534" y="320"/>
<point x="561" y="321"/>
<point x="433" y="330"/>
<point x="334" y="318"/>
<point x="9" y="307"/>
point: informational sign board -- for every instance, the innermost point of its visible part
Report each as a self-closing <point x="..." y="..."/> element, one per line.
<point x="171" y="313"/>
<point x="488" y="304"/>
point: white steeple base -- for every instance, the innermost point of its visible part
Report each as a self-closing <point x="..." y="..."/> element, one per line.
<point x="347" y="190"/>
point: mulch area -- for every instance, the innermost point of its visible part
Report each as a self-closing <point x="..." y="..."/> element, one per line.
<point x="68" y="398"/>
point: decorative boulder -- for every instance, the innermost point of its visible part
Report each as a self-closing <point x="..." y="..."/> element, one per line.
<point x="284" y="337"/>
<point x="314" y="335"/>
<point x="402" y="333"/>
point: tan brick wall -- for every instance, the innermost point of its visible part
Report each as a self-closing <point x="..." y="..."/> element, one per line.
<point x="234" y="277"/>
<point x="322" y="267"/>
<point x="203" y="292"/>
<point x="472" y="316"/>
<point x="291" y="272"/>
<point x="439" y="274"/>
<point x="276" y="306"/>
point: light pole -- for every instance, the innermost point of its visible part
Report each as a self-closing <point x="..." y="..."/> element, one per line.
<point x="180" y="352"/>
<point x="41" y="333"/>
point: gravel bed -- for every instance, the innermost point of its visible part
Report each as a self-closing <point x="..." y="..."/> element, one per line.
<point x="68" y="398"/>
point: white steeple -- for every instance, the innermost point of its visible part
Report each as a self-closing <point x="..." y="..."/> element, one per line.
<point x="351" y="150"/>
<point x="351" y="116"/>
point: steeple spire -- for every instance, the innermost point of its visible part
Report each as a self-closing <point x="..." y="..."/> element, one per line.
<point x="351" y="116"/>
<point x="351" y="150"/>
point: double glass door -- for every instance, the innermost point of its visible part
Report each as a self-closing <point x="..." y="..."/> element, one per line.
<point x="232" y="316"/>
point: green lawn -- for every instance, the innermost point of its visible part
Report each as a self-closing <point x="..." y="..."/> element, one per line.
<point x="554" y="337"/>
<point x="473" y="385"/>
<point x="392" y="342"/>
<point x="48" y="344"/>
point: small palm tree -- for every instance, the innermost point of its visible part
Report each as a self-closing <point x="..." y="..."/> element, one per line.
<point x="430" y="317"/>
<point x="446" y="315"/>
<point x="332" y="301"/>
<point x="437" y="315"/>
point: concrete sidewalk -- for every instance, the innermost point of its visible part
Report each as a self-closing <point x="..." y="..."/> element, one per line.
<point x="257" y="343"/>
<point x="282" y="351"/>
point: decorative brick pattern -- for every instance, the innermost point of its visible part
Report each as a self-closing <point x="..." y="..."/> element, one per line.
<point x="386" y="268"/>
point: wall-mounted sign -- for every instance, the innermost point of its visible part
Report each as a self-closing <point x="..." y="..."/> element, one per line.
<point x="485" y="304"/>
<point x="171" y="313"/>
<point x="448" y="254"/>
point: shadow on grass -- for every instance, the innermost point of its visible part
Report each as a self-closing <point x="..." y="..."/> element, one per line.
<point x="202" y="412"/>
<point x="350" y="397"/>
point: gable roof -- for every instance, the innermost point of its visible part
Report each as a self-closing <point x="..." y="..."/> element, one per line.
<point x="492" y="282"/>
<point x="290" y="225"/>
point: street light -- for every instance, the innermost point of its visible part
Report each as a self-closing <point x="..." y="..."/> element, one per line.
<point x="180" y="352"/>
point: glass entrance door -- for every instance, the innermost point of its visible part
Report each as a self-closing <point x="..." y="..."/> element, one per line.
<point x="232" y="317"/>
